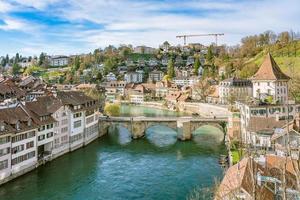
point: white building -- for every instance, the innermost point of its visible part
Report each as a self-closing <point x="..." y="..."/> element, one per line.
<point x="58" y="61"/>
<point x="182" y="81"/>
<point x="82" y="115"/>
<point x="134" y="77"/>
<point x="18" y="145"/>
<point x="45" y="133"/>
<point x="269" y="80"/>
<point x="235" y="89"/>
<point x="111" y="77"/>
<point x="5" y="154"/>
<point x="156" y="75"/>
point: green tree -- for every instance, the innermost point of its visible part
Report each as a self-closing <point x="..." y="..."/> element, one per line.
<point x="42" y="59"/>
<point x="17" y="58"/>
<point x="171" y="70"/>
<point x="110" y="65"/>
<point x="210" y="55"/>
<point x="16" y="69"/>
<point x="112" y="109"/>
<point x="196" y="65"/>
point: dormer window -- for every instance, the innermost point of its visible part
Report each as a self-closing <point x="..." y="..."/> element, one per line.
<point x="29" y="123"/>
<point x="2" y="127"/>
<point x="18" y="125"/>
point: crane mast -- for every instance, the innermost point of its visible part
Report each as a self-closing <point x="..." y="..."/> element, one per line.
<point x="200" y="35"/>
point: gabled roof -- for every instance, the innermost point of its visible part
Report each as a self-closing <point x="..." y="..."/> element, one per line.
<point x="45" y="105"/>
<point x="264" y="124"/>
<point x="269" y="70"/>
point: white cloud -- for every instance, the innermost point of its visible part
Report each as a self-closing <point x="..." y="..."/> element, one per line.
<point x="149" y="23"/>
<point x="5" y="7"/>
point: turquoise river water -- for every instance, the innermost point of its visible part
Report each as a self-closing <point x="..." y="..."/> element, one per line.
<point x="114" y="167"/>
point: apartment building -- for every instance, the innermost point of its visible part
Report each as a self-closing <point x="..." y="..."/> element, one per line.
<point x="82" y="115"/>
<point x="234" y="89"/>
<point x="18" y="142"/>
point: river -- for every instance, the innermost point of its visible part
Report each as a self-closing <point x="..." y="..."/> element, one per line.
<point x="115" y="167"/>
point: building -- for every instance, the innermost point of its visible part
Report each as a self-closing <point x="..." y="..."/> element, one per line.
<point x="156" y="76"/>
<point x="254" y="109"/>
<point x="18" y="142"/>
<point x="234" y="89"/>
<point x="239" y="183"/>
<point x="162" y="89"/>
<point x="152" y="62"/>
<point x="59" y="61"/>
<point x="110" y="77"/>
<point x="82" y="116"/>
<point x="114" y="90"/>
<point x="260" y="131"/>
<point x="144" y="50"/>
<point x="188" y="81"/>
<point x="234" y="126"/>
<point x="282" y="137"/>
<point x="269" y="80"/>
<point x="134" y="77"/>
<point x="45" y="131"/>
<point x="136" y="94"/>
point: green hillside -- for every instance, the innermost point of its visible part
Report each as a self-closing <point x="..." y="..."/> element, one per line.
<point x="287" y="57"/>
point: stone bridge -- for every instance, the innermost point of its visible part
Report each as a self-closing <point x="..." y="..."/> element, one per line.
<point x="137" y="126"/>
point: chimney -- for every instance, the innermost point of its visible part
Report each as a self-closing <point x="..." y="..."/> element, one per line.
<point x="277" y="116"/>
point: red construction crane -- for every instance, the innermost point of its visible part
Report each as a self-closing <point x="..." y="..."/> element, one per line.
<point x="200" y="35"/>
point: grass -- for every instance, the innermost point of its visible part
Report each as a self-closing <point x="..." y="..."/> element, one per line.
<point x="235" y="156"/>
<point x="287" y="57"/>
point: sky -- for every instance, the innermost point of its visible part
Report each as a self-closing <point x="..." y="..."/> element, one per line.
<point x="80" y="26"/>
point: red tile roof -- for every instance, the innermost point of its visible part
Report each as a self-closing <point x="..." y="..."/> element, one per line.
<point x="269" y="70"/>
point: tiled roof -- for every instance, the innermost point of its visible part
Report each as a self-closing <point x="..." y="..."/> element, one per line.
<point x="45" y="105"/>
<point x="264" y="124"/>
<point x="239" y="177"/>
<point x="9" y="117"/>
<point x="73" y="97"/>
<point x="269" y="70"/>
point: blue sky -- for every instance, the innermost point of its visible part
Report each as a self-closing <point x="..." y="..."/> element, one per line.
<point x="79" y="26"/>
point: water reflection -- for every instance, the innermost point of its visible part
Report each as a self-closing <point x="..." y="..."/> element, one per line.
<point x="208" y="136"/>
<point x="120" y="134"/>
<point x="161" y="136"/>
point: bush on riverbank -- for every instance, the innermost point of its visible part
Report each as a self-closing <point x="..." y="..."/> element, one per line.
<point x="112" y="109"/>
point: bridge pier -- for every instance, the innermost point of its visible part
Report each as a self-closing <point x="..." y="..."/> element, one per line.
<point x="138" y="126"/>
<point x="137" y="129"/>
<point x="186" y="131"/>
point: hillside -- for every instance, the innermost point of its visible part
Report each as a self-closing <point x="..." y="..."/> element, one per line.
<point x="287" y="57"/>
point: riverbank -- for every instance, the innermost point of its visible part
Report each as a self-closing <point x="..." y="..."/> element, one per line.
<point x="203" y="109"/>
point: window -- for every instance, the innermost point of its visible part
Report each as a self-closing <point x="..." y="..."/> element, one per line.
<point x="77" y="124"/>
<point x="3" y="164"/>
<point x="41" y="137"/>
<point x="89" y="120"/>
<point x="64" y="122"/>
<point x="64" y="129"/>
<point x="23" y="158"/>
<point x="41" y="128"/>
<point x="17" y="149"/>
<point x="64" y="138"/>
<point x="49" y="134"/>
<point x="30" y="144"/>
<point x="49" y="126"/>
<point x="75" y="138"/>
<point x="4" y="151"/>
<point x="4" y="140"/>
<point x="76" y="115"/>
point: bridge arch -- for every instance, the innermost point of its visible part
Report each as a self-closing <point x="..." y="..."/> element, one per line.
<point x="218" y="125"/>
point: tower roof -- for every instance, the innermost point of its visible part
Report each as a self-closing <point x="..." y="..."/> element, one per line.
<point x="269" y="70"/>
